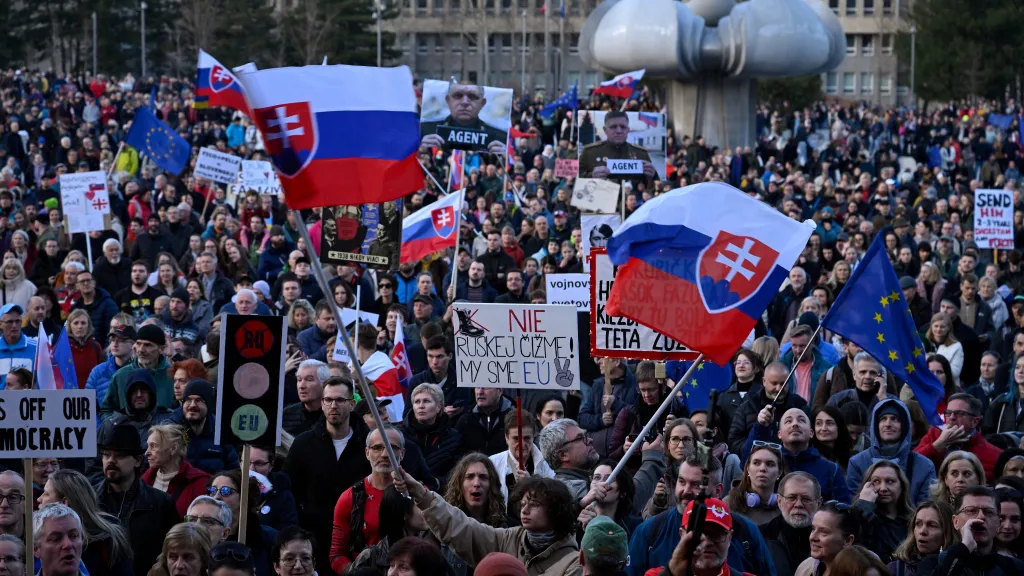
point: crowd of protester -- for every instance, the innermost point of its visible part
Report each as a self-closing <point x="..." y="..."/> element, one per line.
<point x="813" y="461"/>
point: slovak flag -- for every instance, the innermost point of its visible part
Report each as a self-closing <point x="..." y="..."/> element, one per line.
<point x="379" y="370"/>
<point x="622" y="86"/>
<point x="216" y="85"/>
<point x="45" y="377"/>
<point x="431" y="228"/>
<point x="701" y="264"/>
<point x="398" y="356"/>
<point x="338" y="135"/>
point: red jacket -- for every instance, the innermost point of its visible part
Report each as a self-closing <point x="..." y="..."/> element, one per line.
<point x="987" y="453"/>
<point x="340" y="557"/>
<point x="188" y="483"/>
<point x="86" y="357"/>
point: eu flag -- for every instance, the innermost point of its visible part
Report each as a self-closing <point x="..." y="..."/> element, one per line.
<point x="567" y="100"/>
<point x="155" y="139"/>
<point x="872" y="312"/>
<point x="707" y="377"/>
<point x="64" y="362"/>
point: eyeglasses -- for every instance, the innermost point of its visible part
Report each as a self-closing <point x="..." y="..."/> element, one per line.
<point x="674" y="440"/>
<point x="957" y="414"/>
<point x="716" y="536"/>
<point x="383" y="286"/>
<point x="805" y="500"/>
<point x="380" y="448"/>
<point x="44" y="465"/>
<point x="225" y="491"/>
<point x="259" y="463"/>
<point x="11" y="322"/>
<point x="293" y="560"/>
<point x="581" y="438"/>
<point x="332" y="401"/>
<point x="763" y="444"/>
<point x="12" y="559"/>
<point x="204" y="520"/>
<point x="974" y="510"/>
<point x="239" y="553"/>
<point x="13" y="498"/>
<point x="85" y="280"/>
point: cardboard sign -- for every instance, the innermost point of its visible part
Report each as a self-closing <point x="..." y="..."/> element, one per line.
<point x="259" y="175"/>
<point x="348" y="321"/>
<point x="569" y="289"/>
<point x="618" y="337"/>
<point x="369" y="234"/>
<point x="993" y="218"/>
<point x="595" y="195"/>
<point x="566" y="168"/>
<point x="530" y="346"/>
<point x="648" y="130"/>
<point x="85" y="200"/>
<point x="250" y="380"/>
<point x="626" y="166"/>
<point x="48" y="423"/>
<point x="462" y="138"/>
<point x="217" y="166"/>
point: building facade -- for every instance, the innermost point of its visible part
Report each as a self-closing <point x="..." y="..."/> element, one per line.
<point x="871" y="71"/>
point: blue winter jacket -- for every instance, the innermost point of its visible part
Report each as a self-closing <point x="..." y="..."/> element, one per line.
<point x="21" y="354"/>
<point x="829" y="475"/>
<point x="202" y="452"/>
<point x="923" y="472"/>
<point x="819" y="367"/>
<point x="99" y="379"/>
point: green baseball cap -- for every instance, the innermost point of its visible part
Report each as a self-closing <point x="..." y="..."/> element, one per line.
<point x="603" y="537"/>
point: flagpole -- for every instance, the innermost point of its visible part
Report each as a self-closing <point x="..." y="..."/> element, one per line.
<point x="434" y="180"/>
<point x="810" y="344"/>
<point x="654" y="419"/>
<point x="113" y="163"/>
<point x="455" y="256"/>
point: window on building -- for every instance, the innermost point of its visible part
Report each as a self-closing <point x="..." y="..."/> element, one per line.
<point x="405" y="41"/>
<point x="438" y="8"/>
<point x="834" y="5"/>
<point x="831" y="83"/>
<point x="849" y="83"/>
<point x="407" y="4"/>
<point x="867" y="45"/>
<point x="851" y="7"/>
<point x="523" y="44"/>
<point x="538" y="6"/>
<point x="590" y="81"/>
<point x="473" y="77"/>
<point x="439" y="46"/>
<point x="489" y="6"/>
<point x="887" y="7"/>
<point x="493" y="43"/>
<point x="869" y="7"/>
<point x="421" y="6"/>
<point x="885" y="84"/>
<point x="851" y="44"/>
<point x="574" y="7"/>
<point x="454" y="6"/>
<point x="574" y="45"/>
<point x="867" y="83"/>
<point x="506" y="6"/>
<point x="523" y="5"/>
<point x="886" y="43"/>
<point x="506" y="43"/>
<point x="422" y="46"/>
<point x="455" y="43"/>
<point x="471" y="43"/>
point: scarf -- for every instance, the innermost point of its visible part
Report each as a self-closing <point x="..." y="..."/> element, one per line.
<point x="539" y="541"/>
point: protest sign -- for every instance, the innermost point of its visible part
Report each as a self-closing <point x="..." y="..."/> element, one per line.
<point x="348" y="321"/>
<point x="597" y="229"/>
<point x="620" y="337"/>
<point x="571" y="289"/>
<point x="48" y="423"/>
<point x="250" y="380"/>
<point x="479" y="122"/>
<point x="259" y="175"/>
<point x="85" y="200"/>
<point x="370" y="234"/>
<point x="993" y="218"/>
<point x="217" y="166"/>
<point x="625" y="166"/>
<point x="595" y="195"/>
<point x="566" y="168"/>
<point x="647" y="130"/>
<point x="528" y="346"/>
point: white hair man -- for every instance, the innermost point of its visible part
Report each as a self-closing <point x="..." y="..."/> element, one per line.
<point x="58" y="537"/>
<point x="112" y="272"/>
<point x="212" y="514"/>
<point x="309" y="382"/>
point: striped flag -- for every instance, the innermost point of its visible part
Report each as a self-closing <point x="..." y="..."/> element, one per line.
<point x="456" y="177"/>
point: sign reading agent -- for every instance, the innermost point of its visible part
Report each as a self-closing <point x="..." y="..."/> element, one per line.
<point x="48" y="423"/>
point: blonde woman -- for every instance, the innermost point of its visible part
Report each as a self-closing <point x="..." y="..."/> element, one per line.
<point x="300" y="316"/>
<point x="929" y="532"/>
<point x="940" y="338"/>
<point x="186" y="552"/>
<point x="808" y="304"/>
<point x="958" y="471"/>
<point x="169" y="471"/>
<point x="14" y="287"/>
<point x="85" y="350"/>
<point x="930" y="284"/>
<point x="767" y="348"/>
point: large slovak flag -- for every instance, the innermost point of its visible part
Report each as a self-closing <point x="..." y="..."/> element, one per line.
<point x="398" y="355"/>
<point x="338" y="135"/>
<point x="216" y="85"/>
<point x="379" y="370"/>
<point x="622" y="86"/>
<point x="701" y="264"/>
<point x="431" y="228"/>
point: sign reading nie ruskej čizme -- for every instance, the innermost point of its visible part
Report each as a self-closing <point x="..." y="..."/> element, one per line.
<point x="250" y="381"/>
<point x="50" y="423"/>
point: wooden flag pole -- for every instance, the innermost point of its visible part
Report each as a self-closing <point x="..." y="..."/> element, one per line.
<point x="29" y="499"/>
<point x="243" y="496"/>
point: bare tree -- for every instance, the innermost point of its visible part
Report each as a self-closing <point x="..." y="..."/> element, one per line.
<point x="307" y="28"/>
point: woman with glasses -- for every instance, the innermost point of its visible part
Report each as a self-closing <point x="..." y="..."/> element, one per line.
<point x="106" y="548"/>
<point x="959" y="470"/>
<point x="884" y="502"/>
<point x="294" y="552"/>
<point x="835" y="527"/>
<point x="225" y="486"/>
<point x="386" y="287"/>
<point x="614" y="501"/>
<point x="755" y="497"/>
<point x="681" y="436"/>
<point x="830" y="436"/>
<point x="186" y="552"/>
<point x="1008" y="540"/>
<point x="929" y="531"/>
<point x="169" y="471"/>
<point x="747" y="372"/>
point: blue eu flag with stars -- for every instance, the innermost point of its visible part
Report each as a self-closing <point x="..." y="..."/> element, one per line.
<point x="567" y="100"/>
<point x="872" y="312"/>
<point x="707" y="377"/>
<point x="157" y="140"/>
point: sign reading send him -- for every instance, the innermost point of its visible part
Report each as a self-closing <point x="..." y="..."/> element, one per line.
<point x="993" y="218"/>
<point x="48" y="423"/>
<point x="620" y="337"/>
<point x="531" y="346"/>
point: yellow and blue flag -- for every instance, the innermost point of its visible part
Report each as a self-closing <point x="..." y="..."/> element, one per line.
<point x="64" y="362"/>
<point x="872" y="312"/>
<point x="157" y="140"/>
<point x="567" y="100"/>
<point x="707" y="377"/>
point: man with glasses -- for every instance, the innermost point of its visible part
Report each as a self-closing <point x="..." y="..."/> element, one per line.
<point x="788" y="535"/>
<point x="570" y="452"/>
<point x="12" y="504"/>
<point x="12" y="556"/>
<point x="976" y="518"/>
<point x="293" y="552"/>
<point x="196" y="416"/>
<point x="708" y="556"/>
<point x="211" y="514"/>
<point x="963" y="418"/>
<point x="16" y="349"/>
<point x="278" y="510"/>
<point x="356" y="516"/>
<point x="327" y="459"/>
<point x="309" y="384"/>
<point x="97" y="302"/>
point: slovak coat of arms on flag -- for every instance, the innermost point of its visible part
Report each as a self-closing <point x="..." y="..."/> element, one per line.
<point x="625" y="81"/>
<point x="444" y="221"/>
<point x="731" y="269"/>
<point x="220" y="78"/>
<point x="291" y="135"/>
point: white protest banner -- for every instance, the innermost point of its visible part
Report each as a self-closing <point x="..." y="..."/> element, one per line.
<point x="85" y="200"/>
<point x="259" y="175"/>
<point x="619" y="337"/>
<point x="217" y="166"/>
<point x="993" y="218"/>
<point x="528" y="346"/>
<point x="48" y="423"/>
<point x="571" y="289"/>
<point x="348" y="320"/>
<point x="597" y="230"/>
<point x="595" y="195"/>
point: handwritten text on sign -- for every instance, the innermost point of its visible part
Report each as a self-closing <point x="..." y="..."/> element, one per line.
<point x="626" y="166"/>
<point x="517" y="346"/>
<point x="993" y="218"/>
<point x="620" y="337"/>
<point x="566" y="168"/>
<point x="48" y="423"/>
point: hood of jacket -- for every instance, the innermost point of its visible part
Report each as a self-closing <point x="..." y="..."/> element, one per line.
<point x="905" y="442"/>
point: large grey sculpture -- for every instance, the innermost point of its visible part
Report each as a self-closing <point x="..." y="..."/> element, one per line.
<point x="713" y="51"/>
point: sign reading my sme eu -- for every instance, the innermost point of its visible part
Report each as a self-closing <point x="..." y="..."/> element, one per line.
<point x="517" y="346"/>
<point x="250" y="383"/>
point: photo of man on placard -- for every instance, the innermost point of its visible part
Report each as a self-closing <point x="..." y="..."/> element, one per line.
<point x="465" y="117"/>
<point x="613" y="135"/>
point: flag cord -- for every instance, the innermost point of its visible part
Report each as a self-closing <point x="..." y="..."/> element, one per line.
<point x="810" y="343"/>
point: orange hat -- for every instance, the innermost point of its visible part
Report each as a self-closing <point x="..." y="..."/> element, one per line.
<point x="718" y="513"/>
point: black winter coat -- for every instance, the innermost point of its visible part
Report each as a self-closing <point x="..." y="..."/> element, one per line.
<point x="112" y="277"/>
<point x="440" y="443"/>
<point x="146" y="513"/>
<point x="746" y="416"/>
